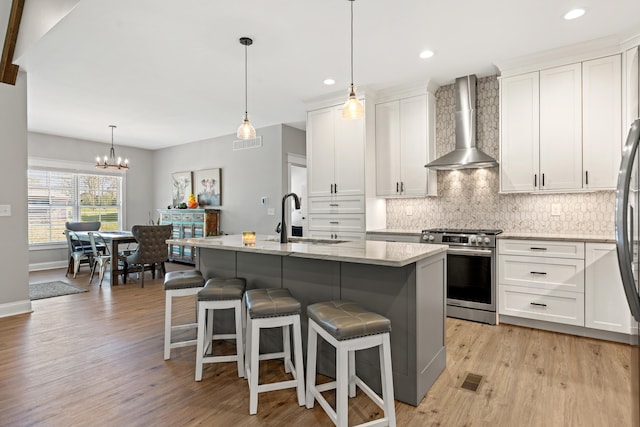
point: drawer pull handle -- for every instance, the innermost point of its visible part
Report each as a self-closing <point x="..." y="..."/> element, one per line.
<point x="334" y="222"/>
<point x="537" y="249"/>
<point x="333" y="205"/>
<point x="539" y="273"/>
<point x="537" y="304"/>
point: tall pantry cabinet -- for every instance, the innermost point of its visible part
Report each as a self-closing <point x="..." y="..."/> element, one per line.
<point x="336" y="174"/>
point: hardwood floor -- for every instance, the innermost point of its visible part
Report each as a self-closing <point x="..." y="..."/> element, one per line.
<point x="95" y="358"/>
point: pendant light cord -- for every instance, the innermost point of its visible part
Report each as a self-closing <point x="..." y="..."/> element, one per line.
<point x="246" y="109"/>
<point x="351" y="1"/>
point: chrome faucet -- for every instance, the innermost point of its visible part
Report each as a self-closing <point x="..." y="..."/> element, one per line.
<point x="283" y="224"/>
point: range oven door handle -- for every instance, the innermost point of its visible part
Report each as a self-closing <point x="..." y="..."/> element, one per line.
<point x="470" y="252"/>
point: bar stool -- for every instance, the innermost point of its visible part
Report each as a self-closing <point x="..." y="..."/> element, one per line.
<point x="178" y="284"/>
<point x="271" y="308"/>
<point x="349" y="327"/>
<point x="219" y="294"/>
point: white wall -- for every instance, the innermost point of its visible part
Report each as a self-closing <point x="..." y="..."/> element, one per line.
<point x="245" y="175"/>
<point x="14" y="286"/>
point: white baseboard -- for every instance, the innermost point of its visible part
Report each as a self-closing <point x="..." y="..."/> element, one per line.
<point x="47" y="265"/>
<point x="14" y="308"/>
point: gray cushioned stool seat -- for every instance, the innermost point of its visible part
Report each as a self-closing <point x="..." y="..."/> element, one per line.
<point x="271" y="303"/>
<point x="183" y="279"/>
<point x="219" y="288"/>
<point x="345" y="320"/>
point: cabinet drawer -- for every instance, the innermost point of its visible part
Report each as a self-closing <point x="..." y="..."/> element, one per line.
<point x="342" y="222"/>
<point x="542" y="248"/>
<point x="350" y="205"/>
<point x="165" y="218"/>
<point x="551" y="306"/>
<point x="560" y="274"/>
<point x="340" y="235"/>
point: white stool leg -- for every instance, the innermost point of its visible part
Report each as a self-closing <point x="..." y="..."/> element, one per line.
<point x="209" y="331"/>
<point x="239" y="338"/>
<point x="387" y="380"/>
<point x="200" y="344"/>
<point x="247" y="350"/>
<point x="254" y="366"/>
<point x="167" y="325"/>
<point x="342" y="385"/>
<point x="286" y="347"/>
<point x="312" y="348"/>
<point x="297" y="343"/>
<point x="352" y="374"/>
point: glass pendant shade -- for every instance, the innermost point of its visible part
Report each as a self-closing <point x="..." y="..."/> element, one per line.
<point x="353" y="108"/>
<point x="246" y="129"/>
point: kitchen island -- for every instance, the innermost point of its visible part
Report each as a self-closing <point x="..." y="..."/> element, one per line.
<point x="404" y="282"/>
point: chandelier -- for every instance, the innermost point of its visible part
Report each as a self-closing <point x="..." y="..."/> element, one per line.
<point x="110" y="161"/>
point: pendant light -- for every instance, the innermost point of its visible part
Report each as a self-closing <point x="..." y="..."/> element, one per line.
<point x="110" y="161"/>
<point x="353" y="108"/>
<point x="246" y="130"/>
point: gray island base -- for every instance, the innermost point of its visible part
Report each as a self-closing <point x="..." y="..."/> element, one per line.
<point x="404" y="282"/>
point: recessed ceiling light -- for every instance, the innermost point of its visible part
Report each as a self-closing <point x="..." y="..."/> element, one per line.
<point x="426" y="54"/>
<point x="573" y="14"/>
<point x="329" y="82"/>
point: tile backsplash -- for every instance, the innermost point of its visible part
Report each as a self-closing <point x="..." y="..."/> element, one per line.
<point x="470" y="199"/>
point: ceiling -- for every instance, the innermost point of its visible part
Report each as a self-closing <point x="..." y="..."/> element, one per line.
<point x="169" y="73"/>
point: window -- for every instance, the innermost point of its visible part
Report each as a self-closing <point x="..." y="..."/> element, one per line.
<point x="56" y="197"/>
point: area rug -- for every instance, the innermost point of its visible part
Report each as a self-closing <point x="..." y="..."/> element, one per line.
<point x="52" y="289"/>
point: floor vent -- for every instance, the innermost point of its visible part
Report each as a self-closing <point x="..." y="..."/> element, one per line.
<point x="245" y="144"/>
<point x="471" y="382"/>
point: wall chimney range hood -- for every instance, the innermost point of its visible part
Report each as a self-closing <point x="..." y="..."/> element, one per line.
<point x="466" y="155"/>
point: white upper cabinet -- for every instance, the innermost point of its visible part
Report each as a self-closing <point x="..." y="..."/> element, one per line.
<point x="561" y="128"/>
<point x="601" y="121"/>
<point x="403" y="147"/>
<point x="335" y="153"/>
<point x="520" y="132"/>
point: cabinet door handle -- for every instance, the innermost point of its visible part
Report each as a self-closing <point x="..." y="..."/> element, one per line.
<point x="543" y="180"/>
<point x="586" y="177"/>
<point x="533" y="248"/>
<point x="540" y="273"/>
<point x="401" y="187"/>
<point x="535" y="180"/>
<point x="537" y="304"/>
<point x="397" y="187"/>
<point x="335" y="187"/>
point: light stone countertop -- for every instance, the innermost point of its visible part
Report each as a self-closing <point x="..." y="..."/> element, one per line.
<point x="587" y="238"/>
<point x="393" y="254"/>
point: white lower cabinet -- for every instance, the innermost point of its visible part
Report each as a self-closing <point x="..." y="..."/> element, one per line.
<point x="572" y="283"/>
<point x="605" y="302"/>
<point x="552" y="306"/>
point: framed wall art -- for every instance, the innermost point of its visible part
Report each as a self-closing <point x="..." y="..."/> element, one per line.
<point x="207" y="187"/>
<point x="181" y="187"/>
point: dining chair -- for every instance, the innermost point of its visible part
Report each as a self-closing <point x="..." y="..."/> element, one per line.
<point x="100" y="259"/>
<point x="78" y="253"/>
<point x="152" y="250"/>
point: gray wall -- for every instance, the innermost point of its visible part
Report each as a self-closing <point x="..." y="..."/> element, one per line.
<point x="14" y="289"/>
<point x="245" y="175"/>
<point x="138" y="194"/>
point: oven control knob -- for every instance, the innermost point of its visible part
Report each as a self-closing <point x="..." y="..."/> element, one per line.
<point x="472" y="239"/>
<point x="431" y="238"/>
<point x="486" y="240"/>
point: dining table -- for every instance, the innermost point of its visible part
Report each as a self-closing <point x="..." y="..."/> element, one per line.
<point x="114" y="239"/>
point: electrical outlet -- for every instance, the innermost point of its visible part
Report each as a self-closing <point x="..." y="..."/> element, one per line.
<point x="271" y="211"/>
<point x="408" y="210"/>
<point x="5" y="210"/>
<point x="556" y="209"/>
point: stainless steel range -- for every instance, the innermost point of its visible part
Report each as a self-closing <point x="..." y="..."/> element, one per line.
<point x="471" y="271"/>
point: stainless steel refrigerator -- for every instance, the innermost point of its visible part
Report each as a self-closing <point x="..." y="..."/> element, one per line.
<point x="627" y="231"/>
